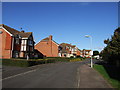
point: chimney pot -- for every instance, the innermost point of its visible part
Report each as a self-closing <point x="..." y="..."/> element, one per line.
<point x="50" y="37"/>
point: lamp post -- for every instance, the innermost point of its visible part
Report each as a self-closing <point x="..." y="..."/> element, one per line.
<point x="88" y="36"/>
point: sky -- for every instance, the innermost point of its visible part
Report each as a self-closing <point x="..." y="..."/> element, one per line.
<point x="68" y="22"/>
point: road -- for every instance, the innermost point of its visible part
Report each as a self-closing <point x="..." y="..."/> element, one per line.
<point x="52" y="76"/>
<point x="58" y="75"/>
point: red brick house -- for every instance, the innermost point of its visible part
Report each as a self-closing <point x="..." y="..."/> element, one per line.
<point x="69" y="50"/>
<point x="78" y="52"/>
<point x="86" y="53"/>
<point x="48" y="47"/>
<point x="15" y="43"/>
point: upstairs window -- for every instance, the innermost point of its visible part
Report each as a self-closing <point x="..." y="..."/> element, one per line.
<point x="17" y="41"/>
<point x="30" y="42"/>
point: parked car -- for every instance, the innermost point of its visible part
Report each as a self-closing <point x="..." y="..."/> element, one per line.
<point x="97" y="57"/>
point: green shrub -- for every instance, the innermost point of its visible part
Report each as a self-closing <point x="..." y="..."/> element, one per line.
<point x="10" y="62"/>
<point x="71" y="57"/>
<point x="32" y="62"/>
<point x="26" y="63"/>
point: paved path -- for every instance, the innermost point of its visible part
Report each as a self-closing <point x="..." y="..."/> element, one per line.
<point x="59" y="75"/>
<point x="89" y="78"/>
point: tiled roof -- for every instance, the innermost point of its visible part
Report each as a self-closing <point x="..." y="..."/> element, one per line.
<point x="86" y="50"/>
<point x="73" y="46"/>
<point x="45" y="39"/>
<point x="9" y="29"/>
<point x="16" y="32"/>
<point x="25" y="34"/>
<point x="55" y="42"/>
<point x="64" y="50"/>
<point x="66" y="44"/>
<point x="79" y="49"/>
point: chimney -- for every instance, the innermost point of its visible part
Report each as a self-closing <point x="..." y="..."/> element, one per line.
<point x="22" y="31"/>
<point x="50" y="37"/>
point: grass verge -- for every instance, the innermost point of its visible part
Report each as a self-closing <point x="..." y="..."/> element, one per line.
<point x="114" y="83"/>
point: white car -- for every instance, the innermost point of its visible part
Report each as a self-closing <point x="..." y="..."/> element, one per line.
<point x="97" y="57"/>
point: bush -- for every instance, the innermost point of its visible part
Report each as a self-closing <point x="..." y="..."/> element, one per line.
<point x="111" y="52"/>
<point x="32" y="62"/>
<point x="9" y="62"/>
<point x="26" y="63"/>
<point x="75" y="59"/>
<point x="78" y="56"/>
<point x="71" y="57"/>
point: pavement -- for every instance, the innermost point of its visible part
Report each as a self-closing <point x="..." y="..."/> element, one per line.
<point x="89" y="78"/>
<point x="56" y="75"/>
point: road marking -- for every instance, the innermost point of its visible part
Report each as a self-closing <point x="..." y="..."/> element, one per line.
<point x="78" y="74"/>
<point x="19" y="74"/>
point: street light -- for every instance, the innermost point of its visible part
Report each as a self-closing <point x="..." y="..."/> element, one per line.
<point x="88" y="36"/>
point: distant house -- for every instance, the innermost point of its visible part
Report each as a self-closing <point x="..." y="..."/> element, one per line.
<point x="69" y="50"/>
<point x="15" y="43"/>
<point x="48" y="47"/>
<point x="78" y="52"/>
<point x="86" y="53"/>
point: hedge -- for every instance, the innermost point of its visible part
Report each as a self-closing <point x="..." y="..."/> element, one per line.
<point x="32" y="62"/>
<point x="25" y="63"/>
<point x="10" y="62"/>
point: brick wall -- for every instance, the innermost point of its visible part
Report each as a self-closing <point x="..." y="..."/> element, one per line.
<point x="54" y="50"/>
<point x="78" y="53"/>
<point x="5" y="46"/>
<point x="47" y="48"/>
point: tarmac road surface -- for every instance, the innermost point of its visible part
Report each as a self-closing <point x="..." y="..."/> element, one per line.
<point x="57" y="75"/>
